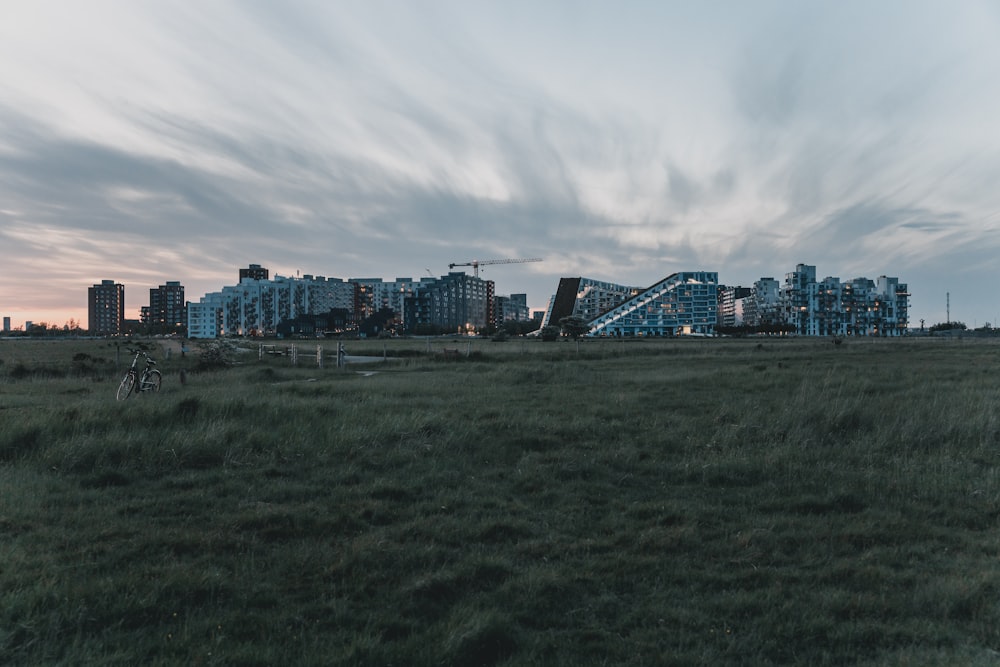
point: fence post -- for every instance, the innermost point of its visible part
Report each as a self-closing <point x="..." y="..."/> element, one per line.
<point x="294" y="355"/>
<point x="319" y="356"/>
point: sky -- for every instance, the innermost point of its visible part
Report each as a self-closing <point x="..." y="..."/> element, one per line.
<point x="144" y="141"/>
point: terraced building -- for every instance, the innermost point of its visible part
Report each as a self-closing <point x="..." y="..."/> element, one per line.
<point x="682" y="304"/>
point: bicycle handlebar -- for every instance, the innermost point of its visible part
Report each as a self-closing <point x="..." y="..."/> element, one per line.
<point x="138" y="352"/>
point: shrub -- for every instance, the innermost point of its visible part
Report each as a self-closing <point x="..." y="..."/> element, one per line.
<point x="215" y="354"/>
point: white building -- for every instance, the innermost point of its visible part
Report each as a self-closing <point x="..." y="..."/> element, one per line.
<point x="257" y="306"/>
<point x="682" y="304"/>
<point x="829" y="307"/>
<point x="375" y="294"/>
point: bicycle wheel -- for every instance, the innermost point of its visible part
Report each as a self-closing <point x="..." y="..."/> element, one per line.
<point x="126" y="387"/>
<point x="153" y="380"/>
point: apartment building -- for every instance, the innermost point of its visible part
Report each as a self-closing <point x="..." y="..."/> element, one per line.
<point x="760" y="307"/>
<point x="829" y="307"/>
<point x="682" y="304"/>
<point x="106" y="308"/>
<point x="731" y="304"/>
<point x="513" y="307"/>
<point x="585" y="298"/>
<point x="456" y="303"/>
<point x="254" y="272"/>
<point x="167" y="310"/>
<point x="256" y="306"/>
<point x="374" y="294"/>
<point x="204" y="318"/>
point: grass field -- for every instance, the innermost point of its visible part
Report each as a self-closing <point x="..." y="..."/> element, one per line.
<point x="700" y="502"/>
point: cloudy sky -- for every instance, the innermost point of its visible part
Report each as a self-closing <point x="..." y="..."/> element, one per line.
<point x="145" y="141"/>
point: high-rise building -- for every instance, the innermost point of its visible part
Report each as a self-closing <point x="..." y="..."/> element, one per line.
<point x="513" y="307"/>
<point x="731" y="305"/>
<point x="106" y="308"/>
<point x="254" y="272"/>
<point x="167" y="312"/>
<point x="6" y="324"/>
<point x="453" y="303"/>
<point x="760" y="307"/>
<point x="374" y="294"/>
<point x="829" y="307"/>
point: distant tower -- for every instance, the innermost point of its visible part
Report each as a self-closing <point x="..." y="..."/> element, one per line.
<point x="166" y="312"/>
<point x="106" y="308"/>
<point x="6" y="324"/>
<point x="254" y="272"/>
<point x="947" y="306"/>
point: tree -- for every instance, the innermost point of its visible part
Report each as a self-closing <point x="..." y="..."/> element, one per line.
<point x="519" y="327"/>
<point x="574" y="326"/>
<point x="550" y="333"/>
<point x="215" y="354"/>
<point x="948" y="326"/>
<point x="428" y="329"/>
<point x="383" y="320"/>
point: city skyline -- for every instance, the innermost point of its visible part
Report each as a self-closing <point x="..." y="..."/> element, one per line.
<point x="143" y="142"/>
<point x="256" y="271"/>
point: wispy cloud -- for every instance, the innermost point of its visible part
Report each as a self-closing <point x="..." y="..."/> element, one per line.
<point x="384" y="139"/>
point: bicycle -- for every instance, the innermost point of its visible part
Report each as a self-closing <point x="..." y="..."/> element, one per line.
<point x="148" y="380"/>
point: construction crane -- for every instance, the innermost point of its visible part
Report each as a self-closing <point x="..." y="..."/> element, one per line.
<point x="476" y="263"/>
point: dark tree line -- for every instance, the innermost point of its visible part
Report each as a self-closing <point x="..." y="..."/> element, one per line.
<point x="777" y="329"/>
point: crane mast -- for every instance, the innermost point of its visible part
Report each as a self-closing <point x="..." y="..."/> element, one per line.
<point x="476" y="263"/>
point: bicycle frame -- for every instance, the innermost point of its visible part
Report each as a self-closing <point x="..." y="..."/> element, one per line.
<point x="134" y="382"/>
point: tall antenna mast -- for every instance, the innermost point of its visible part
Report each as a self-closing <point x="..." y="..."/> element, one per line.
<point x="947" y="305"/>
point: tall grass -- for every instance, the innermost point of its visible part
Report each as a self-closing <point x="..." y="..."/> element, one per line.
<point x="669" y="502"/>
